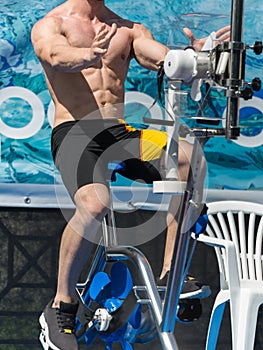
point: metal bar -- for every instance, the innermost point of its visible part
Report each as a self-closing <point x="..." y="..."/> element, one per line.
<point x="142" y="265"/>
<point x="189" y="206"/>
<point x="176" y="271"/>
<point x="172" y="102"/>
<point x="236" y="69"/>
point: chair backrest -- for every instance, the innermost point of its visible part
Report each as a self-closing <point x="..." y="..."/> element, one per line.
<point x="242" y="223"/>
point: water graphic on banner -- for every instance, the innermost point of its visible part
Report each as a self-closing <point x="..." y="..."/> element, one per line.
<point x="26" y="110"/>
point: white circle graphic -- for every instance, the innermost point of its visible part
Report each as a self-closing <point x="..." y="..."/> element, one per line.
<point x="250" y="141"/>
<point x="38" y="113"/>
<point x="147" y="101"/>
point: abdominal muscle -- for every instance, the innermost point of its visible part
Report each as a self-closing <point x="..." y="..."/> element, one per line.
<point x="90" y="94"/>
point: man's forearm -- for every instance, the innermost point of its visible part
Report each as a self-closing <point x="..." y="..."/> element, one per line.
<point x="71" y="60"/>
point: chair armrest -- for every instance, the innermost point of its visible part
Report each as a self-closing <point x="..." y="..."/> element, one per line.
<point x="213" y="241"/>
<point x="231" y="264"/>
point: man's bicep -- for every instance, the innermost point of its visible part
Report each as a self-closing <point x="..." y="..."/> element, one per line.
<point x="46" y="48"/>
<point x="46" y="37"/>
<point x="146" y="50"/>
<point x="149" y="53"/>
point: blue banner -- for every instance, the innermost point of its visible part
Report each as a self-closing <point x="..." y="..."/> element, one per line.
<point x="26" y="109"/>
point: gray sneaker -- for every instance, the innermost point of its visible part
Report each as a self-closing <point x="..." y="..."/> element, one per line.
<point x="58" y="327"/>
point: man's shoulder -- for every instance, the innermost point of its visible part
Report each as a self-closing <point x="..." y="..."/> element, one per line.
<point x="140" y="30"/>
<point x="131" y="25"/>
<point x="47" y="22"/>
<point x="47" y="25"/>
<point x="112" y="17"/>
<point x="55" y="15"/>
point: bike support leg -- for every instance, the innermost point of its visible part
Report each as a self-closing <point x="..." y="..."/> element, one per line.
<point x="190" y="208"/>
<point x="143" y="267"/>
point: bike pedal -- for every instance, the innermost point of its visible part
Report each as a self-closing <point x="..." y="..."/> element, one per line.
<point x="189" y="310"/>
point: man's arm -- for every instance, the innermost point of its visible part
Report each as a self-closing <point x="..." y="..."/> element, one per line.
<point x="148" y="52"/>
<point x="53" y="48"/>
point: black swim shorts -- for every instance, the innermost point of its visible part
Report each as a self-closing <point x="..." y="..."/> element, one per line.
<point x="82" y="151"/>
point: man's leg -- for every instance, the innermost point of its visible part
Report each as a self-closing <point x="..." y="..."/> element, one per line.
<point x="184" y="159"/>
<point x="92" y="203"/>
<point x="58" y="318"/>
<point x="185" y="152"/>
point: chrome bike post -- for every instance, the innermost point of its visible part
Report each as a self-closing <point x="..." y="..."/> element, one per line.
<point x="189" y="208"/>
<point x="236" y="69"/>
<point x="143" y="267"/>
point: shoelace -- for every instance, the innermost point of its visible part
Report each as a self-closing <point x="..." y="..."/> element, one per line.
<point x="66" y="322"/>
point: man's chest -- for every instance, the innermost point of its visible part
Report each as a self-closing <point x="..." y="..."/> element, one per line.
<point x="119" y="46"/>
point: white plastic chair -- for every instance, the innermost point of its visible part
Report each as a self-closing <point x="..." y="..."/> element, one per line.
<point x="235" y="229"/>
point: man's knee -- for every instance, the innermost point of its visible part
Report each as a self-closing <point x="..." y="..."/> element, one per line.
<point x="92" y="202"/>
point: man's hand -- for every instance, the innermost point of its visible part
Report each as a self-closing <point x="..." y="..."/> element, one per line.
<point x="223" y="34"/>
<point x="101" y="42"/>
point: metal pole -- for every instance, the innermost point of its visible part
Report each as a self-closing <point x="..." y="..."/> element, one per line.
<point x="188" y="214"/>
<point x="172" y="101"/>
<point x="236" y="71"/>
<point x="142" y="266"/>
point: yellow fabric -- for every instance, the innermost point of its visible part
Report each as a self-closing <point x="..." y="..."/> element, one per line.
<point x="127" y="126"/>
<point x="152" y="142"/>
<point x="152" y="145"/>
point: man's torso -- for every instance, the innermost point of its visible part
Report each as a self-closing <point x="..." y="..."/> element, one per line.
<point x="98" y="90"/>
